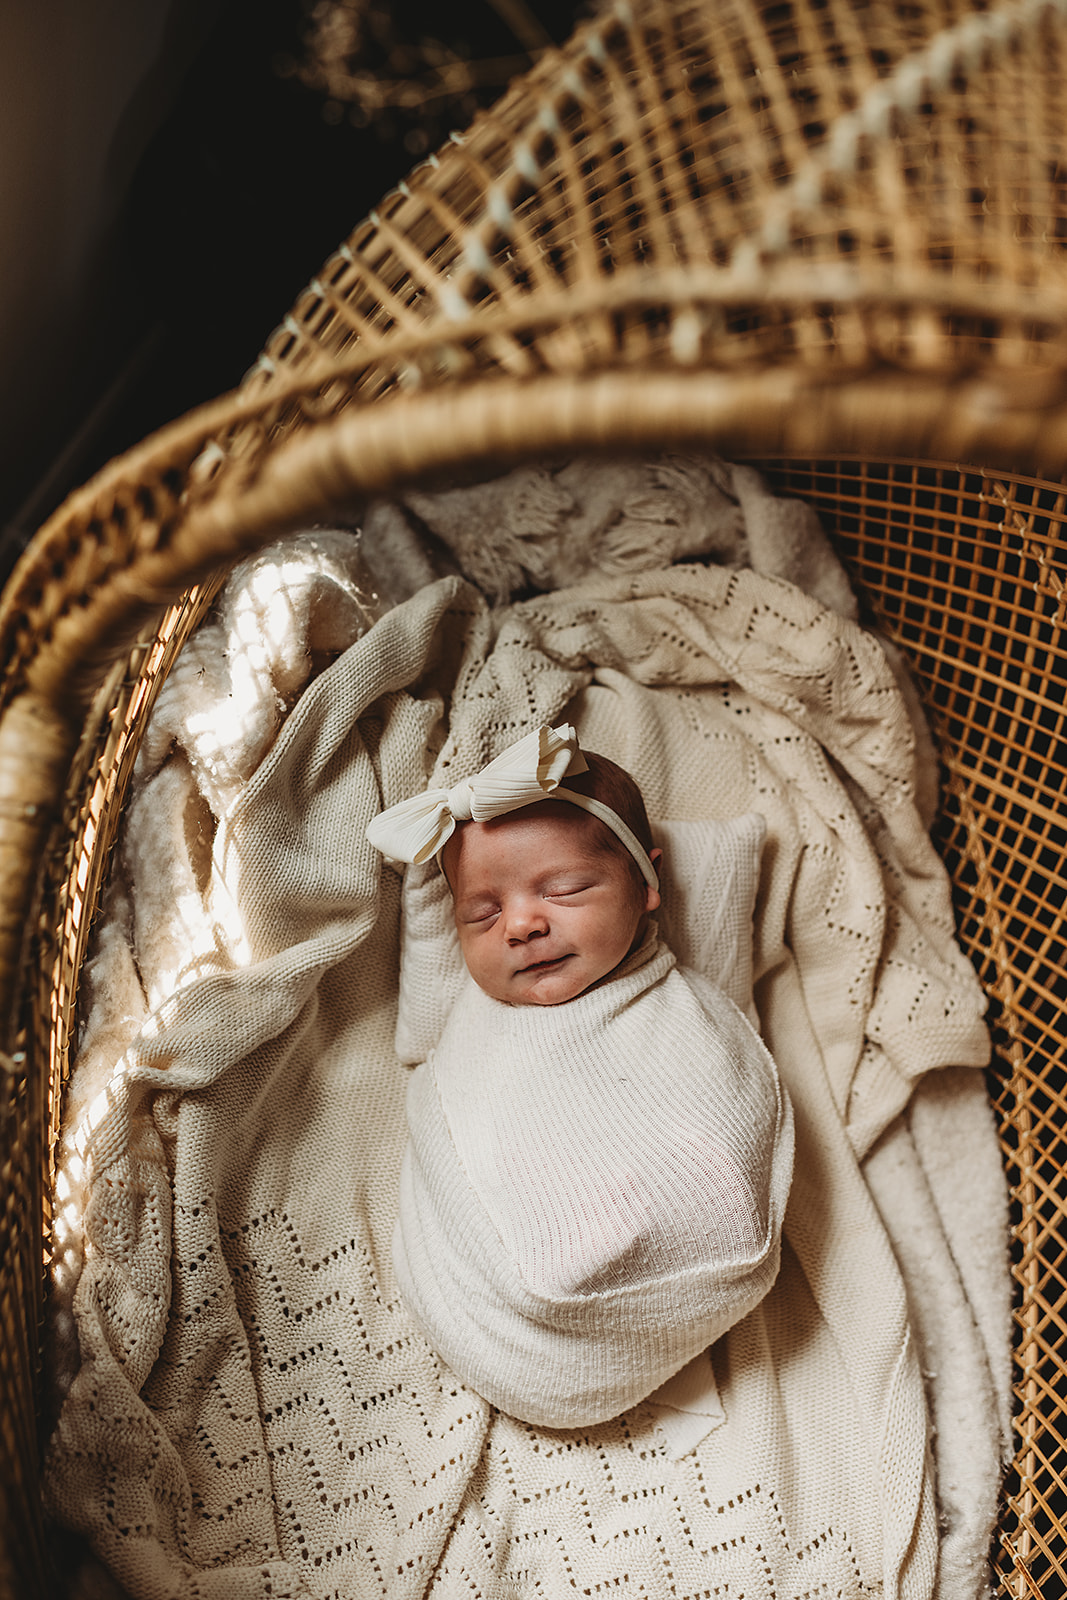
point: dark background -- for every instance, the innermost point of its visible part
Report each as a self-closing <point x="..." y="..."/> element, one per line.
<point x="223" y="183"/>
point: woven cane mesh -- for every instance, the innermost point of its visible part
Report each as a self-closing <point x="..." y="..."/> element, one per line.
<point x="746" y="145"/>
<point x="758" y="202"/>
<point x="817" y="228"/>
<point x="965" y="570"/>
<point x="753" y="202"/>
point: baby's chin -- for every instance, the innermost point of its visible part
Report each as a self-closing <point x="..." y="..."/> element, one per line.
<point x="550" y="985"/>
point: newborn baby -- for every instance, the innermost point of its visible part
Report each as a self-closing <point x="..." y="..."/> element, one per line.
<point x="600" y="1150"/>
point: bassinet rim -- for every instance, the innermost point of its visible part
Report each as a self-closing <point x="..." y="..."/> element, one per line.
<point x="782" y="414"/>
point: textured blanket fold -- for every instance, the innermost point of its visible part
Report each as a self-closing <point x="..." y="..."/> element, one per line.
<point x="255" y="1413"/>
<point x="593" y="1192"/>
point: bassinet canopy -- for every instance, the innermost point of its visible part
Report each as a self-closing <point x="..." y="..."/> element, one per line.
<point x="827" y="235"/>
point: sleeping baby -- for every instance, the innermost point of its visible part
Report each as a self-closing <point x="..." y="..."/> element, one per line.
<point x="600" y="1149"/>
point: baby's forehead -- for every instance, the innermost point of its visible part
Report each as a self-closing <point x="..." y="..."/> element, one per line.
<point x="551" y="831"/>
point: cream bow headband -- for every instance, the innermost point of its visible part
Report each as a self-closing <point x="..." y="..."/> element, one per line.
<point x="528" y="771"/>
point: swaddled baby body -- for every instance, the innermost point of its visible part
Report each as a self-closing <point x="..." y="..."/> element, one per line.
<point x="600" y="1149"/>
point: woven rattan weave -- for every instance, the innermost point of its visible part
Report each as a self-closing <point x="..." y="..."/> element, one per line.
<point x="829" y="234"/>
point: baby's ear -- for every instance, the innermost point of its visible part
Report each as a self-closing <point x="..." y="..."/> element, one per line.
<point x="652" y="896"/>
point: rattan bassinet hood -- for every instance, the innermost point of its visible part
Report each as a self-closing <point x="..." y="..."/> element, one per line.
<point x="827" y="235"/>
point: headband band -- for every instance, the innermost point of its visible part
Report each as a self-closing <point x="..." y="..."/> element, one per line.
<point x="530" y="770"/>
<point x="597" y="808"/>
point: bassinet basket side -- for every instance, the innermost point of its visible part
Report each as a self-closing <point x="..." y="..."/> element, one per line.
<point x="665" y="234"/>
<point x="965" y="570"/>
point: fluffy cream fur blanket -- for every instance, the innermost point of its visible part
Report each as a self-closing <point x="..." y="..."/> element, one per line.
<point x="254" y="1414"/>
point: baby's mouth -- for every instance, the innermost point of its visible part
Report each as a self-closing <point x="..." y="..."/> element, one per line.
<point x="542" y="966"/>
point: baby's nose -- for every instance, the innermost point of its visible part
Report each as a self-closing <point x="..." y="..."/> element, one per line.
<point x="526" y="919"/>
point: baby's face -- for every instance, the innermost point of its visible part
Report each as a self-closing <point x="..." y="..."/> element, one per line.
<point x="543" y="909"/>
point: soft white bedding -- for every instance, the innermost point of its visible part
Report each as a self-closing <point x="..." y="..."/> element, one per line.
<point x="253" y="1413"/>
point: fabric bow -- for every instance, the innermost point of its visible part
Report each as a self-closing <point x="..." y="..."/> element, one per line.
<point x="527" y="771"/>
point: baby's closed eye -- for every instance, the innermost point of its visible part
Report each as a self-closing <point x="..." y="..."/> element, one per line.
<point x="480" y="911"/>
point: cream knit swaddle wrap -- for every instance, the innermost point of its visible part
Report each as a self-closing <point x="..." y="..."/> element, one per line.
<point x="592" y="1192"/>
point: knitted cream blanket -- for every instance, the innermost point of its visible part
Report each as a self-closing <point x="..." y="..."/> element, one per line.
<point x="593" y="1192"/>
<point x="254" y="1413"/>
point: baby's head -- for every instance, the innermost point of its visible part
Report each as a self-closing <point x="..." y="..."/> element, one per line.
<point x="548" y="900"/>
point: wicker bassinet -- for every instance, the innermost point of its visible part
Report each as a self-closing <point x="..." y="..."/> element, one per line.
<point x="827" y="235"/>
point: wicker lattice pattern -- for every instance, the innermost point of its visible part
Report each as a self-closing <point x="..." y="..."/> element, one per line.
<point x="814" y="229"/>
<point x="962" y="568"/>
<point x="756" y="204"/>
